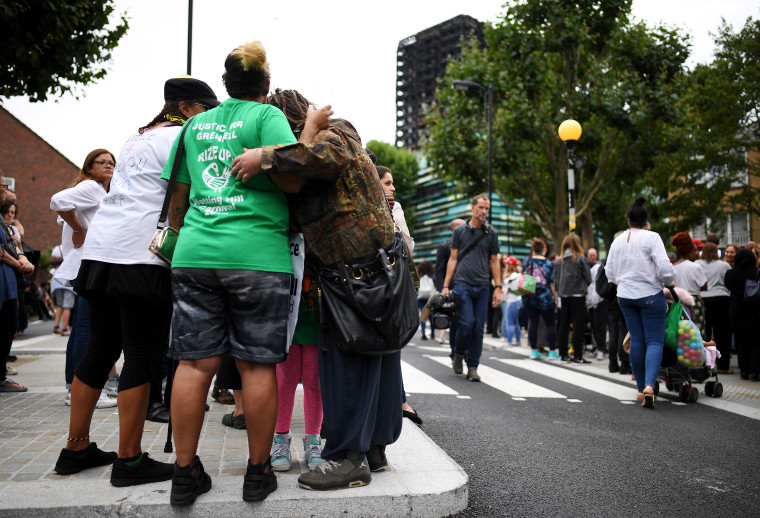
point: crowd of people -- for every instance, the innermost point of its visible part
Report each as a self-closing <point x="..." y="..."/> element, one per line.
<point x="240" y="180"/>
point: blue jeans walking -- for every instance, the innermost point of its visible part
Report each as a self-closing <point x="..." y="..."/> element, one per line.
<point x="645" y="319"/>
<point x="510" y="327"/>
<point x="471" y="317"/>
<point x="78" y="339"/>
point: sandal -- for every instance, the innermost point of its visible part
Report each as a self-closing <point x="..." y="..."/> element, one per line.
<point x="648" y="394"/>
<point x="223" y="396"/>
<point x="55" y="330"/>
<point x="65" y="332"/>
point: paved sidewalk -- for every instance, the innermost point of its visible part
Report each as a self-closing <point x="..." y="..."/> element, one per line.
<point x="422" y="480"/>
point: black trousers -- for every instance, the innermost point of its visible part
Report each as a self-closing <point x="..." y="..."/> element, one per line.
<point x="547" y="315"/>
<point x="618" y="330"/>
<point x="139" y="329"/>
<point x="573" y="310"/>
<point x="717" y="318"/>
<point x="599" y="317"/>
<point x="748" y="350"/>
<point x="361" y="398"/>
<point x="8" y="326"/>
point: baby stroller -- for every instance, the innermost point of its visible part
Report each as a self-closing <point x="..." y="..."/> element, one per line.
<point x="677" y="376"/>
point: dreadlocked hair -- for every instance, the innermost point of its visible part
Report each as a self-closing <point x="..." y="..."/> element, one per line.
<point x="171" y="113"/>
<point x="294" y="105"/>
<point x="246" y="71"/>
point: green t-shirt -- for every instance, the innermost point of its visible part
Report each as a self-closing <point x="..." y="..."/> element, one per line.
<point x="231" y="224"/>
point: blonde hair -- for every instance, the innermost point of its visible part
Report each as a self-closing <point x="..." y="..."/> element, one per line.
<point x="573" y="242"/>
<point x="252" y="55"/>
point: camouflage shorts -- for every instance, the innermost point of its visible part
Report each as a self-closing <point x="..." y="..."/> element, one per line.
<point x="241" y="311"/>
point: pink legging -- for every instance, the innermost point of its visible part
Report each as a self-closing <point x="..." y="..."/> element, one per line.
<point x="302" y="365"/>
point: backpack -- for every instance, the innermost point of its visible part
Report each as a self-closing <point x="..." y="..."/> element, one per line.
<point x="604" y="288"/>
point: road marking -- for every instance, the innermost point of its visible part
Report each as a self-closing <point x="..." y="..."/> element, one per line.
<point x="628" y="402"/>
<point x="679" y="403"/>
<point x="574" y="401"/>
<point x="17" y="344"/>
<point x="507" y="383"/>
<point x="464" y="397"/>
<point x="417" y="382"/>
<point x="584" y="381"/>
<point x="519" y="399"/>
<point x="434" y="349"/>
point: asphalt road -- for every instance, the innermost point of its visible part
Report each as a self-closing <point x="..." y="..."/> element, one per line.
<point x="594" y="457"/>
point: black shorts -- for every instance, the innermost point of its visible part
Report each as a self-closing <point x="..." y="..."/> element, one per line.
<point x="244" y="312"/>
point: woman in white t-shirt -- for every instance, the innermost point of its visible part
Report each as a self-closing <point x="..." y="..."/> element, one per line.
<point x="76" y="206"/>
<point x="691" y="277"/>
<point x="510" y="303"/>
<point x="129" y="292"/>
<point x="717" y="300"/>
<point x="638" y="264"/>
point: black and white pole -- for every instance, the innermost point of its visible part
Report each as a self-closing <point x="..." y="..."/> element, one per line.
<point x="569" y="132"/>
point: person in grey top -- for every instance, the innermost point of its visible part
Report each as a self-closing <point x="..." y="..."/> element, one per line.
<point x="472" y="265"/>
<point x="572" y="277"/>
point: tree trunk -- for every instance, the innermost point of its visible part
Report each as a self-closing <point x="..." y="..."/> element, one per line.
<point x="587" y="230"/>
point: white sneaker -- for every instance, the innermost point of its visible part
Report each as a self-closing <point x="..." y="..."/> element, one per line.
<point x="600" y="355"/>
<point x="104" y="401"/>
<point x="111" y="387"/>
<point x="67" y="401"/>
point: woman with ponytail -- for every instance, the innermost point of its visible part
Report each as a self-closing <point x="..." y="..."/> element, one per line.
<point x="231" y="272"/>
<point x="638" y="264"/>
<point x="128" y="290"/>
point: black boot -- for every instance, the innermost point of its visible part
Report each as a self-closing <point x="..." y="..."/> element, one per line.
<point x="189" y="482"/>
<point x="258" y="483"/>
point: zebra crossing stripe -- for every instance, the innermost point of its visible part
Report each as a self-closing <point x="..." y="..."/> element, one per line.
<point x="506" y="383"/>
<point x="584" y="381"/>
<point x="417" y="382"/>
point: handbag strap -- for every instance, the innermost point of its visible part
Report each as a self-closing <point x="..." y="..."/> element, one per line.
<point x="173" y="177"/>
<point x="467" y="250"/>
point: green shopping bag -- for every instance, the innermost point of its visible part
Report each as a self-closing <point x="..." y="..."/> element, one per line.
<point x="671" y="325"/>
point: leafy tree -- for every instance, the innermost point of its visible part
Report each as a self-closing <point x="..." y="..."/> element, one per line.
<point x="404" y="166"/>
<point x="51" y="46"/>
<point x="547" y="61"/>
<point x="706" y="168"/>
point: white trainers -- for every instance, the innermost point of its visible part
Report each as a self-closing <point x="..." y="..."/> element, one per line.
<point x="104" y="401"/>
<point x="600" y="355"/>
<point x="67" y="401"/>
<point x="111" y="387"/>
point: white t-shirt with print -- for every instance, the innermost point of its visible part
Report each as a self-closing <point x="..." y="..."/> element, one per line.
<point x="122" y="229"/>
<point x="690" y="277"/>
<point x="84" y="199"/>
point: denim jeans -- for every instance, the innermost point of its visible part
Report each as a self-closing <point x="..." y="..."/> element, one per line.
<point x="510" y="328"/>
<point x="80" y="335"/>
<point x="471" y="317"/>
<point x="645" y="319"/>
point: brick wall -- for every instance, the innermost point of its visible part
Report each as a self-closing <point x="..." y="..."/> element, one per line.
<point x="40" y="171"/>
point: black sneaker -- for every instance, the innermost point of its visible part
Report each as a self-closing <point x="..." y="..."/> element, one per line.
<point x="376" y="458"/>
<point x="580" y="360"/>
<point x="351" y="471"/>
<point x="189" y="482"/>
<point x="257" y="484"/>
<point x="157" y="412"/>
<point x="144" y="471"/>
<point x="614" y="367"/>
<point x="457" y="364"/>
<point x="70" y="462"/>
<point x="625" y="369"/>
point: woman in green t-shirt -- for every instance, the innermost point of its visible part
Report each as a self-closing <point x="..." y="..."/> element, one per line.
<point x="231" y="272"/>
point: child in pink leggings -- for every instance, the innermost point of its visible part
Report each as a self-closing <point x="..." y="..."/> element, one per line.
<point x="302" y="365"/>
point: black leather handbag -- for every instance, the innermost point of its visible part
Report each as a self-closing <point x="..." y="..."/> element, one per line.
<point x="370" y="304"/>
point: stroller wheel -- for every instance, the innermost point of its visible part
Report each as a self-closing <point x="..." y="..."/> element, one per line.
<point x="693" y="395"/>
<point x="683" y="392"/>
<point x="718" y="390"/>
<point x="710" y="388"/>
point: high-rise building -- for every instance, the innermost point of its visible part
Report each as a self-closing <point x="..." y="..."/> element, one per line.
<point x="422" y="59"/>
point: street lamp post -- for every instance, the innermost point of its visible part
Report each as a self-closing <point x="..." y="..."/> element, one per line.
<point x="488" y="102"/>
<point x="569" y="132"/>
<point x="189" y="36"/>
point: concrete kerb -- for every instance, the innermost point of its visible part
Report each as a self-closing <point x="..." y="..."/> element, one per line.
<point x="423" y="482"/>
